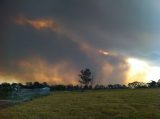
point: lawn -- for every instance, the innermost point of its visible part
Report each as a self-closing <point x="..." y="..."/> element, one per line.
<point x="107" y="104"/>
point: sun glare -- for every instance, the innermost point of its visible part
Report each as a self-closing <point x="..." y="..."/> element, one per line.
<point x="142" y="71"/>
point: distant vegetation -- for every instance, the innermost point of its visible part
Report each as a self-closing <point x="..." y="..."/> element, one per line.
<point x="6" y="89"/>
<point x="86" y="83"/>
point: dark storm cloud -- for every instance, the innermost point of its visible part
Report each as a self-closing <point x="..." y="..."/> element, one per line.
<point x="2" y="32"/>
<point x="123" y="26"/>
<point x="117" y="24"/>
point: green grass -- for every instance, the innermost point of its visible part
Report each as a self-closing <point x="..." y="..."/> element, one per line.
<point x="108" y="104"/>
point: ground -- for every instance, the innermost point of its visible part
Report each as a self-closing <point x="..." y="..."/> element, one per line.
<point x="107" y="104"/>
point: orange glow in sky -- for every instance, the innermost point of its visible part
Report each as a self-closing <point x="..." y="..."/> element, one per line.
<point x="38" y="23"/>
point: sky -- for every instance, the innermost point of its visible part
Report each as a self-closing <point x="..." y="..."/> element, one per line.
<point x="51" y="41"/>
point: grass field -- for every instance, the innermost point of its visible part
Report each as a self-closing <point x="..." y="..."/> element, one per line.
<point x="108" y="104"/>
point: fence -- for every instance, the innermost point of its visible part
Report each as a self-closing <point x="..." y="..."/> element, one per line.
<point x="29" y="94"/>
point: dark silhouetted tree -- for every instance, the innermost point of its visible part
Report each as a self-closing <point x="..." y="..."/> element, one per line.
<point x="70" y="87"/>
<point x="86" y="77"/>
<point x="137" y="85"/>
<point x="37" y="85"/>
<point x="5" y="90"/>
<point x="98" y="87"/>
<point x="152" y="84"/>
<point x="158" y="83"/>
<point x="29" y="85"/>
<point x="110" y="86"/>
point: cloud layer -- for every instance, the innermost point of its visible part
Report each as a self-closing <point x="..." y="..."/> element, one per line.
<point x="72" y="35"/>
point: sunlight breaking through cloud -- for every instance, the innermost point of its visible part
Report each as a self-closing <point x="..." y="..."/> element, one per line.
<point x="142" y="71"/>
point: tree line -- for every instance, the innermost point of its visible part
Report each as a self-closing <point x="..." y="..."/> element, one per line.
<point x="7" y="87"/>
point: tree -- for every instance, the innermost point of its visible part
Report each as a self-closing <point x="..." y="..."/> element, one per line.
<point x="158" y="83"/>
<point x="29" y="85"/>
<point x="37" y="85"/>
<point x="86" y="77"/>
<point x="98" y="87"/>
<point x="152" y="84"/>
<point x="5" y="90"/>
<point x="137" y="85"/>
